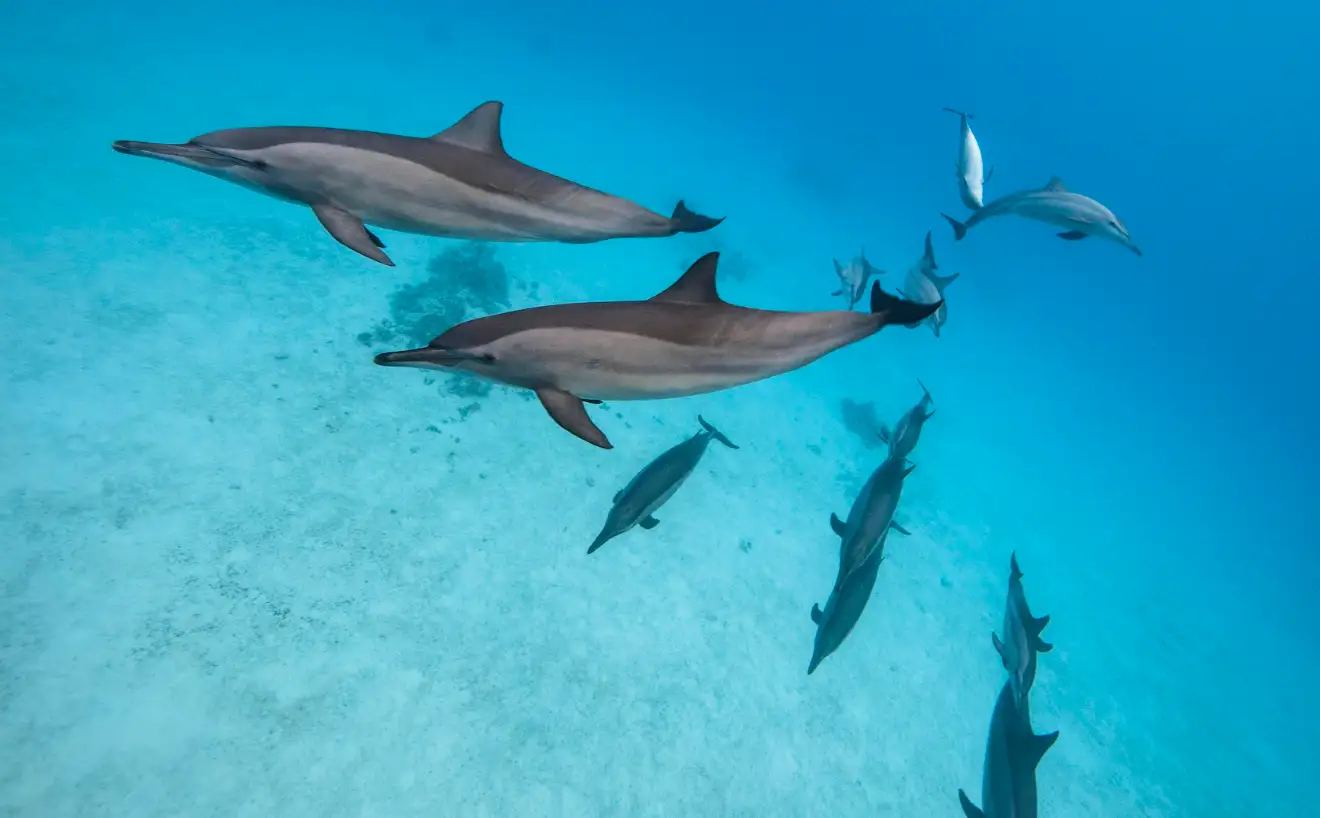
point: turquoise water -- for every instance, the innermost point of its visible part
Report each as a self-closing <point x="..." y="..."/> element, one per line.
<point x="244" y="571"/>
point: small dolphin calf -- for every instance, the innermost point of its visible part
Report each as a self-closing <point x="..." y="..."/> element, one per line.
<point x="969" y="167"/>
<point x="1080" y="216"/>
<point x="459" y="183"/>
<point x="844" y="608"/>
<point x="854" y="275"/>
<point x="684" y="341"/>
<point x="924" y="286"/>
<point x="655" y="484"/>
<point x="1021" y="640"/>
<point x="1012" y="753"/>
<point x="903" y="439"/>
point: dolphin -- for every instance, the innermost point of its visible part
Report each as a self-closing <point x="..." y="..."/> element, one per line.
<point x="1012" y="753"/>
<point x="903" y="439"/>
<point x="1079" y="216"/>
<point x="969" y="167"/>
<point x="684" y="341"/>
<point x="459" y="183"/>
<point x="655" y="484"/>
<point x="854" y="276"/>
<point x="844" y="608"/>
<point x="1021" y="641"/>
<point x="924" y="286"/>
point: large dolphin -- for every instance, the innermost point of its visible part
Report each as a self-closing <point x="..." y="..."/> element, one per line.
<point x="853" y="276"/>
<point x="969" y="167"/>
<point x="903" y="439"/>
<point x="1012" y="753"/>
<point x="684" y="341"/>
<point x="1021" y="641"/>
<point x="458" y="183"/>
<point x="924" y="286"/>
<point x="1079" y="216"/>
<point x="655" y="484"/>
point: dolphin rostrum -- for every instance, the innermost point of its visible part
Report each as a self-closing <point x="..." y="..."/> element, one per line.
<point x="683" y="341"/>
<point x="861" y="547"/>
<point x="1079" y="216"/>
<point x="903" y="439"/>
<point x="969" y="167"/>
<point x="924" y="286"/>
<point x="1012" y="753"/>
<point x="853" y="276"/>
<point x="1021" y="641"/>
<point x="655" y="484"/>
<point x="459" y="183"/>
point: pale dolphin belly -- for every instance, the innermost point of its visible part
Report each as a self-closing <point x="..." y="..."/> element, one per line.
<point x="397" y="194"/>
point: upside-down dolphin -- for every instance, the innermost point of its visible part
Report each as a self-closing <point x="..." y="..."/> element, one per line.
<point x="1012" y="753"/>
<point x="853" y="276"/>
<point x="1021" y="641"/>
<point x="903" y="439"/>
<point x="1079" y="216"/>
<point x="684" y="341"/>
<point x="924" y="286"/>
<point x="969" y="168"/>
<point x="459" y="183"/>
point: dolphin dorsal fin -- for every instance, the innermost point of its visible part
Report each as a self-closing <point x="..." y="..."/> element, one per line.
<point x="697" y="285"/>
<point x="479" y="130"/>
<point x="1056" y="184"/>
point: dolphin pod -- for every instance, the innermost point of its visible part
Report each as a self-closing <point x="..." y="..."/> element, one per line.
<point x="458" y="183"/>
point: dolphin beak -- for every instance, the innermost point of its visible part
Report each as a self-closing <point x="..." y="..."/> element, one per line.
<point x="186" y="154"/>
<point x="1134" y="248"/>
<point x="815" y="663"/>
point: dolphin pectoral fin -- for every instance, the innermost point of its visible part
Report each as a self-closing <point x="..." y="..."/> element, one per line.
<point x="900" y="529"/>
<point x="838" y="268"/>
<point x="837" y="292"/>
<point x="649" y="522"/>
<point x="1038" y="624"/>
<point x="988" y="174"/>
<point x="1040" y="645"/>
<point x="891" y="309"/>
<point x="617" y="495"/>
<point x="568" y="411"/>
<point x="883" y="433"/>
<point x="1033" y="748"/>
<point x="1073" y="235"/>
<point x="816" y="614"/>
<point x="837" y="525"/>
<point x="349" y="231"/>
<point x="1000" y="648"/>
<point x="941" y="282"/>
<point x="969" y="809"/>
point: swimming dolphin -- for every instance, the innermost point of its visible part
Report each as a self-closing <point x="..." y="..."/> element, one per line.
<point x="844" y="608"/>
<point x="854" y="276"/>
<point x="924" y="286"/>
<point x="683" y="341"/>
<point x="1021" y="639"/>
<point x="969" y="167"/>
<point x="903" y="439"/>
<point x="1012" y="753"/>
<point x="458" y="183"/>
<point x="655" y="484"/>
<point x="1080" y="216"/>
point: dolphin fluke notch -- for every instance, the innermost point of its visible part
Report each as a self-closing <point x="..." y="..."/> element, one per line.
<point x="688" y="221"/>
<point x="716" y="433"/>
<point x="959" y="229"/>
<point x="894" y="310"/>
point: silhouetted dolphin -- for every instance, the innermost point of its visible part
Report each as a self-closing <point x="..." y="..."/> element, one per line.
<point x="854" y="276"/>
<point x="924" y="286"/>
<point x="655" y="484"/>
<point x="684" y="341"/>
<point x="1079" y="215"/>
<point x="844" y="608"/>
<point x="908" y="431"/>
<point x="969" y="167"/>
<point x="1012" y="753"/>
<point x="458" y="183"/>
<point x="1021" y="635"/>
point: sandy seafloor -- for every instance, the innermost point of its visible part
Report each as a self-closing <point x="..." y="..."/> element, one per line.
<point x="241" y="576"/>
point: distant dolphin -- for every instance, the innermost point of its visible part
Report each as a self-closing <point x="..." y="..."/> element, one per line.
<point x="903" y="439"/>
<point x="1079" y="215"/>
<point x="1012" y="753"/>
<point x="655" y="484"/>
<point x="1021" y="636"/>
<point x="458" y="183"/>
<point x="844" y="608"/>
<point x="969" y="167"/>
<point x="854" y="276"/>
<point x="924" y="286"/>
<point x="684" y="341"/>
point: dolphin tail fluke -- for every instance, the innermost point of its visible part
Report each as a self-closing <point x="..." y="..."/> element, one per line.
<point x="891" y="309"/>
<point x="716" y="433"/>
<point x="969" y="809"/>
<point x="959" y="229"/>
<point x="686" y="221"/>
<point x="959" y="113"/>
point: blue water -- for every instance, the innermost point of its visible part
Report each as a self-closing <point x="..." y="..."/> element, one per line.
<point x="243" y="571"/>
